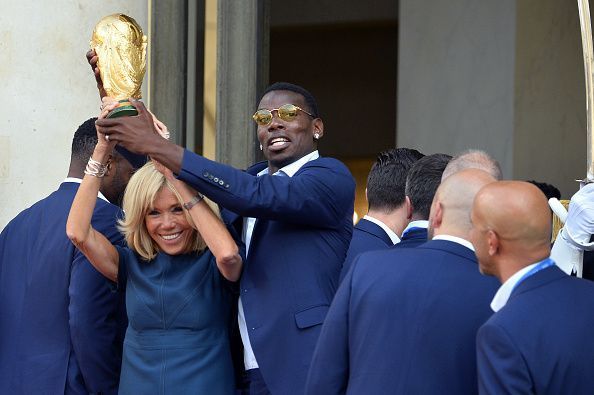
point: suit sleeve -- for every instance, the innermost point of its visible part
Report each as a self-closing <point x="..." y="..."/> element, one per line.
<point x="501" y="367"/>
<point x="97" y="321"/>
<point x="329" y="369"/>
<point x="321" y="194"/>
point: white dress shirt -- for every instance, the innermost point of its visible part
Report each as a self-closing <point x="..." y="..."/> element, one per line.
<point x="455" y="239"/>
<point x="393" y="236"/>
<point x="504" y="292"/>
<point x="249" y="358"/>
<point x="420" y="223"/>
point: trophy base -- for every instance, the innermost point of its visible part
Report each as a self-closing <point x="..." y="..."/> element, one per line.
<point x="124" y="109"/>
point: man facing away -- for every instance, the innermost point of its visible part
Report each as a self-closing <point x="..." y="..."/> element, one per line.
<point x="537" y="342"/>
<point x="294" y="214"/>
<point x="404" y="320"/>
<point x="422" y="182"/>
<point x="61" y="325"/>
<point x="473" y="159"/>
<point x="387" y="216"/>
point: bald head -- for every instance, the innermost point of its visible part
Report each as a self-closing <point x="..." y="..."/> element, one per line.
<point x="473" y="159"/>
<point x="450" y="211"/>
<point x="511" y="227"/>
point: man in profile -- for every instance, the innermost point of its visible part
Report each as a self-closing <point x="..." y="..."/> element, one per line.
<point x="61" y="324"/>
<point x="387" y="217"/>
<point x="538" y="339"/>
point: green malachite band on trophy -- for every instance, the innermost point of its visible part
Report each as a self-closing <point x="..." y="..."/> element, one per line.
<point x="124" y="109"/>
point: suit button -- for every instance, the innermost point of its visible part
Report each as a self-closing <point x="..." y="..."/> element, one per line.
<point x="216" y="179"/>
<point x="227" y="186"/>
<point x="221" y="182"/>
<point x="205" y="174"/>
<point x="210" y="176"/>
<point x="245" y="290"/>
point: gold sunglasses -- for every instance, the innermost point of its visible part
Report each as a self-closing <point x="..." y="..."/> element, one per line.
<point x="286" y="112"/>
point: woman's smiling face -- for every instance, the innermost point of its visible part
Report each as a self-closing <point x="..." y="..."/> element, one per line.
<point x="167" y="225"/>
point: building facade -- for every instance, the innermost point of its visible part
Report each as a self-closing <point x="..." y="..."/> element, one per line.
<point x="504" y="76"/>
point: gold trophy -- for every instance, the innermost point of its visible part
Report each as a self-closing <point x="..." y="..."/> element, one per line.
<point x="120" y="46"/>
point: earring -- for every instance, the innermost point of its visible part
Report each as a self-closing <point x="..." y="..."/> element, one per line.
<point x="260" y="147"/>
<point x="316" y="136"/>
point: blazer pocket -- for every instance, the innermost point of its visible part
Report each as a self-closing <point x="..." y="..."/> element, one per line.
<point x="311" y="316"/>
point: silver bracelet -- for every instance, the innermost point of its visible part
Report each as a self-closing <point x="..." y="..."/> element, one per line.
<point x="95" y="168"/>
<point x="195" y="200"/>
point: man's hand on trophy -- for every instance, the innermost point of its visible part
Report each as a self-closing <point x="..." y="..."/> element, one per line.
<point x="136" y="133"/>
<point x="93" y="59"/>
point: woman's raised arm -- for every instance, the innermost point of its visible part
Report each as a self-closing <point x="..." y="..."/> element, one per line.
<point x="96" y="247"/>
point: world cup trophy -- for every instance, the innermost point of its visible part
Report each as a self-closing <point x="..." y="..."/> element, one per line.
<point x="120" y="46"/>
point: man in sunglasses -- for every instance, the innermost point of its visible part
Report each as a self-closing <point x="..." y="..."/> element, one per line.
<point x="294" y="215"/>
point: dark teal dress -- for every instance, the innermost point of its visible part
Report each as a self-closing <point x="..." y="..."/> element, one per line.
<point x="177" y="341"/>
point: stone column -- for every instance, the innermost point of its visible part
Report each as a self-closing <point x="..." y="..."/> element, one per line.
<point x="168" y="65"/>
<point x="242" y="74"/>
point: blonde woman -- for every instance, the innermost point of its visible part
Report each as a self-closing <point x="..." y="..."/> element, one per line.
<point x="176" y="270"/>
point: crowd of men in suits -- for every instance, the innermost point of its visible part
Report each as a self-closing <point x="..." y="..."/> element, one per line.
<point x="445" y="286"/>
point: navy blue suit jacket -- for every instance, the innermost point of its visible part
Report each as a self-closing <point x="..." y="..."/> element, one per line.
<point x="540" y="341"/>
<point x="406" y="328"/>
<point x="367" y="236"/>
<point x="61" y="326"/>
<point x="413" y="238"/>
<point x="303" y="229"/>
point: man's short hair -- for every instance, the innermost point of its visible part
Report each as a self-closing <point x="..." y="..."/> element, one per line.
<point x="474" y="159"/>
<point x="287" y="86"/>
<point x="84" y="141"/>
<point x="550" y="191"/>
<point x="387" y="179"/>
<point x="423" y="180"/>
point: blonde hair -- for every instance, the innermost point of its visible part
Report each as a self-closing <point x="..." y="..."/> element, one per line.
<point x="139" y="198"/>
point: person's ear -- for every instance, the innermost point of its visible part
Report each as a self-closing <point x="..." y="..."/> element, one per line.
<point x="110" y="165"/>
<point x="436" y="215"/>
<point x="492" y="242"/>
<point x="409" y="208"/>
<point x="318" y="129"/>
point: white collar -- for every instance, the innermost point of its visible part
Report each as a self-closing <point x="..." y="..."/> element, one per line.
<point x="420" y="223"/>
<point x="393" y="236"/>
<point x="504" y="292"/>
<point x="292" y="168"/>
<point x="78" y="181"/>
<point x="455" y="239"/>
